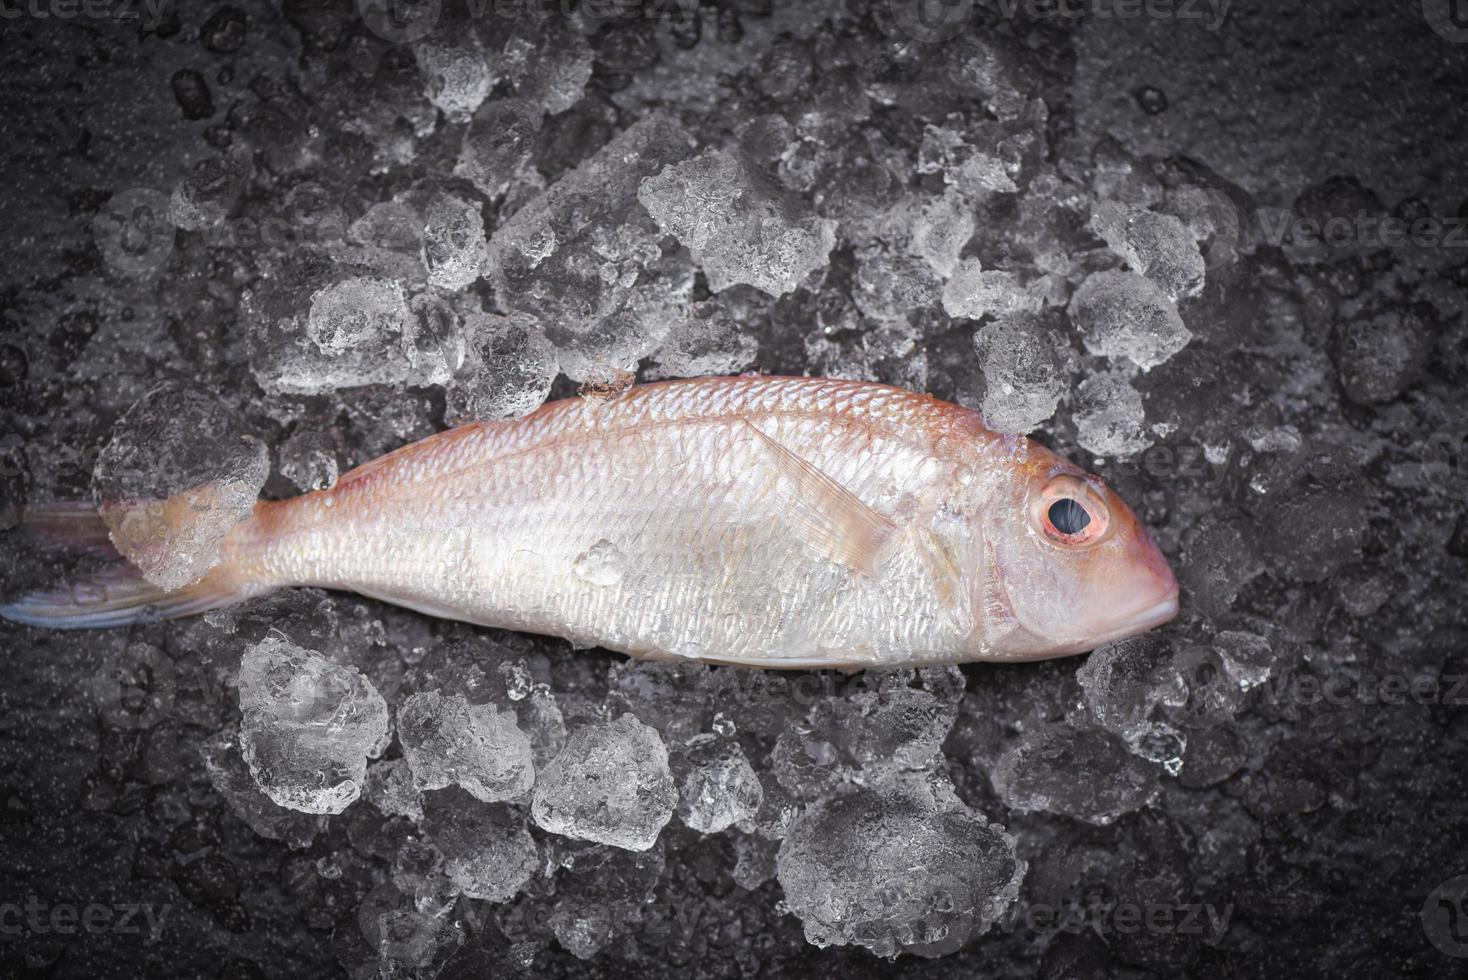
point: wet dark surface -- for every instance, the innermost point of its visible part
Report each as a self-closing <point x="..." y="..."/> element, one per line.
<point x="1271" y="785"/>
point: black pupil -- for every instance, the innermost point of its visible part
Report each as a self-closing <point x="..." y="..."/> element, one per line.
<point x="1068" y="516"/>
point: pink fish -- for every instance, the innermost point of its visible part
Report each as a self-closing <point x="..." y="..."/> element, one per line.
<point x="770" y="522"/>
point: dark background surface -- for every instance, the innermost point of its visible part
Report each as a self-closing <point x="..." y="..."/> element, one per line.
<point x="1322" y="823"/>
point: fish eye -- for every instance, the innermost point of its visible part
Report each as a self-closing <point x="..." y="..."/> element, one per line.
<point x="1071" y="512"/>
<point x="1069" y="516"/>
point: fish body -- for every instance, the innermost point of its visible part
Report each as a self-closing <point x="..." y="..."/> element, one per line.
<point x="771" y="522"/>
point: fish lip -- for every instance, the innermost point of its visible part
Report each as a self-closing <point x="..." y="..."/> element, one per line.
<point x="1144" y="619"/>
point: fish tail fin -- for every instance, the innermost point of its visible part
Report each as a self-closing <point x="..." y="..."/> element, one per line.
<point x="117" y="595"/>
<point x="120" y="596"/>
<point x="72" y="526"/>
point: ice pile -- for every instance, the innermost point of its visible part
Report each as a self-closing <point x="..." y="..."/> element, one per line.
<point x="178" y="473"/>
<point x="739" y="225"/>
<point x="901" y="867"/>
<point x="308" y="726"/>
<point x="610" y="784"/>
<point x="448" y="741"/>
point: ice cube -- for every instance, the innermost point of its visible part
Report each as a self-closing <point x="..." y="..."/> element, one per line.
<point x="703" y="345"/>
<point x="903" y="867"/>
<point x="498" y="144"/>
<point x="359" y="331"/>
<point x="210" y="192"/>
<point x="357" y="313"/>
<point x="1122" y="314"/>
<point x="549" y="65"/>
<point x="1159" y="246"/>
<point x="178" y="473"/>
<point x="610" y="784"/>
<point x="307" y="726"/>
<point x="1085" y="773"/>
<point x="973" y="293"/>
<point x="1024" y="375"/>
<point x="1109" y="415"/>
<point x="508" y="369"/>
<point x="391" y="789"/>
<point x="600" y="893"/>
<point x="231" y="779"/>
<point x="449" y="741"/>
<point x="738" y="224"/>
<point x="941" y="229"/>
<point x="718" y="787"/>
<point x="454" y="248"/>
<point x="457" y="74"/>
<point x="488" y="853"/>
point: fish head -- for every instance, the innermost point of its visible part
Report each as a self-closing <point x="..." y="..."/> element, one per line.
<point x="1071" y="566"/>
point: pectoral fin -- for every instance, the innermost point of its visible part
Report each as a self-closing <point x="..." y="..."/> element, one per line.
<point x="826" y="515"/>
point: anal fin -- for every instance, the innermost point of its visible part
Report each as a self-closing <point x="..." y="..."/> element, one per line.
<point x="828" y="516"/>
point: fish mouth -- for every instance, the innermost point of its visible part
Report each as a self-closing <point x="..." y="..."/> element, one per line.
<point x="1144" y="619"/>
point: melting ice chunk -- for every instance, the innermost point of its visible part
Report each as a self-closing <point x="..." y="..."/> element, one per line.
<point x="1122" y="314"/>
<point x="179" y="472"/>
<point x="1023" y="374"/>
<point x="973" y="293"/>
<point x="508" y="369"/>
<point x="610" y="784"/>
<point x="498" y="144"/>
<point x="1086" y="773"/>
<point x="308" y="726"/>
<point x="719" y="787"/>
<point x="1109" y="415"/>
<point x="1159" y="246"/>
<point x="456" y="71"/>
<point x="488" y="854"/>
<point x="454" y="248"/>
<point x="903" y="867"/>
<point x="449" y="741"/>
